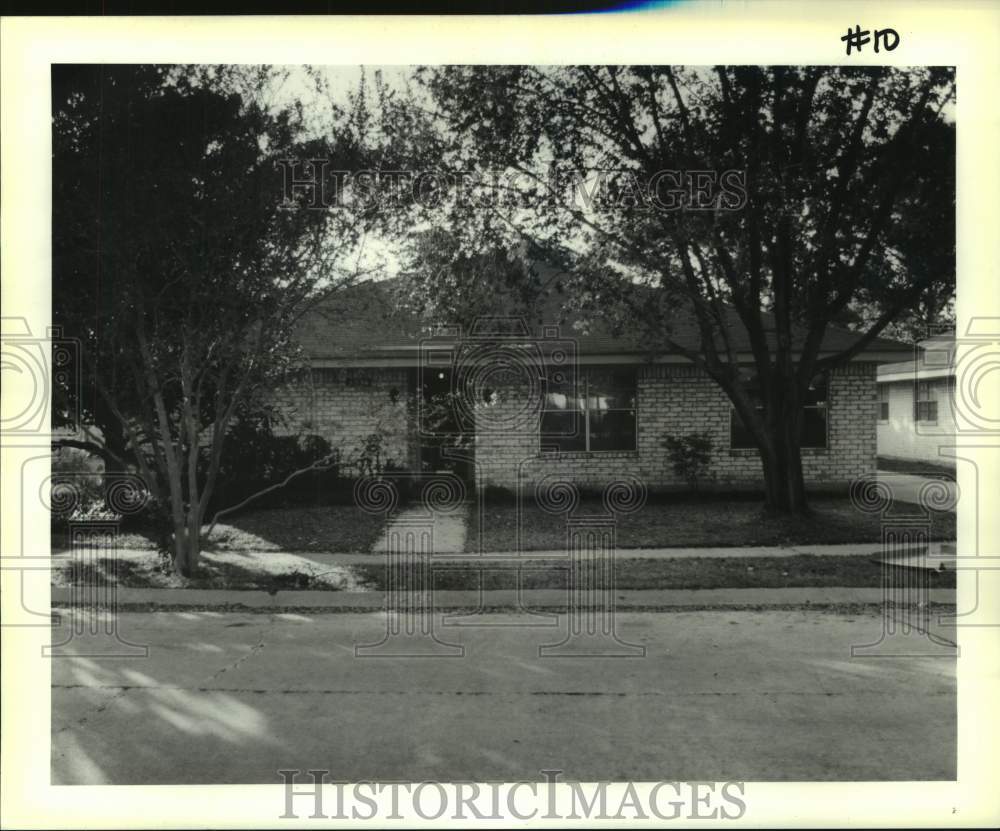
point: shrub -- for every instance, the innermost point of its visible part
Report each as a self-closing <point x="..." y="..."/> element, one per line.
<point x="76" y="489"/>
<point x="75" y="496"/>
<point x="255" y="459"/>
<point x="369" y="459"/>
<point x="690" y="456"/>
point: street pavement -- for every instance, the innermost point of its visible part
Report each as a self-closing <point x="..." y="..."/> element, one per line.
<point x="226" y="697"/>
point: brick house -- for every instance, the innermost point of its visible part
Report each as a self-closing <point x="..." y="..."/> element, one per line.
<point x="507" y="401"/>
<point x="916" y="415"/>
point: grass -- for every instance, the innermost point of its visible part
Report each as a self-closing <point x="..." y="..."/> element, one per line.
<point x="273" y="572"/>
<point x="277" y="549"/>
<point x="267" y="571"/>
<point x="689" y="523"/>
<point x="339" y="528"/>
<point x="679" y="573"/>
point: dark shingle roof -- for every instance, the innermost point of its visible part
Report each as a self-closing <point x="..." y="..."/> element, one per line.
<point x="370" y="321"/>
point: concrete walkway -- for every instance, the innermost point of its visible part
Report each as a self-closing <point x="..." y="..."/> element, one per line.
<point x="449" y="530"/>
<point x="453" y="553"/>
<point x="750" y="552"/>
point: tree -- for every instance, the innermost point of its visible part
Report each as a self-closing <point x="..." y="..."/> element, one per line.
<point x="776" y="199"/>
<point x="181" y="263"/>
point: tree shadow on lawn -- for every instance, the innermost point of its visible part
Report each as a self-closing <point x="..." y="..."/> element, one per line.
<point x="261" y="570"/>
<point x="696" y="523"/>
<point x="255" y="570"/>
<point x="272" y="572"/>
<point x="268" y="549"/>
<point x="328" y="528"/>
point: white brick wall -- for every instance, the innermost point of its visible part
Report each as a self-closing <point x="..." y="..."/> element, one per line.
<point x="900" y="438"/>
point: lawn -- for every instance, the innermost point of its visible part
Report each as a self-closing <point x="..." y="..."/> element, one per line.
<point x="677" y="573"/>
<point x="266" y="570"/>
<point x="710" y="522"/>
<point x="339" y="528"/>
<point x="272" y="571"/>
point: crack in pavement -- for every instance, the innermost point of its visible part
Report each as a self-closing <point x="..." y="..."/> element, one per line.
<point x="123" y="689"/>
<point x="492" y="693"/>
<point x="836" y="607"/>
<point x="254" y="650"/>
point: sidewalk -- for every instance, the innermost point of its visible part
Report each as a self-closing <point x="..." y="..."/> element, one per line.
<point x="501" y="599"/>
<point x="457" y="556"/>
<point x="453" y="554"/>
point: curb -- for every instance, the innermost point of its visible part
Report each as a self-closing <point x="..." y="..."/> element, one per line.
<point x="376" y="601"/>
<point x="874" y="549"/>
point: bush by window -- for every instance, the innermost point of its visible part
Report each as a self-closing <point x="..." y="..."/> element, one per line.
<point x="690" y="456"/>
<point x="592" y="410"/>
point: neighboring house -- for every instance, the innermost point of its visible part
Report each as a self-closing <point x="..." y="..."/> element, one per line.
<point x="509" y="402"/>
<point x="916" y="403"/>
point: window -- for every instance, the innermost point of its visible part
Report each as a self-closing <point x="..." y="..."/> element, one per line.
<point x="883" y="402"/>
<point x="925" y="405"/>
<point x="593" y="412"/>
<point x="814" y="418"/>
<point x="814" y="414"/>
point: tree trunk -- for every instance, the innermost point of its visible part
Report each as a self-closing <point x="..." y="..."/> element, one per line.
<point x="187" y="544"/>
<point x="193" y="539"/>
<point x="115" y="441"/>
<point x="185" y="548"/>
<point x="179" y="545"/>
<point x="781" y="458"/>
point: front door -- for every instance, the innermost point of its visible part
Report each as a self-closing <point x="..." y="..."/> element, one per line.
<point x="445" y="440"/>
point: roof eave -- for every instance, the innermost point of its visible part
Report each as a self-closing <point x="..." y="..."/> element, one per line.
<point x="410" y="356"/>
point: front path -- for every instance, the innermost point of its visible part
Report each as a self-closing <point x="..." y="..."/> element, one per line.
<point x="449" y="529"/>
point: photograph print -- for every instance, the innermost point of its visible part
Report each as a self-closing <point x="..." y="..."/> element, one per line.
<point x="461" y="423"/>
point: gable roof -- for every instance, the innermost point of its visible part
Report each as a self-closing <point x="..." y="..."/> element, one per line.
<point x="369" y="323"/>
<point x="934" y="358"/>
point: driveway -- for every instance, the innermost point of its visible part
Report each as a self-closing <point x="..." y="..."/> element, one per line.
<point x="906" y="487"/>
<point x="766" y="695"/>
